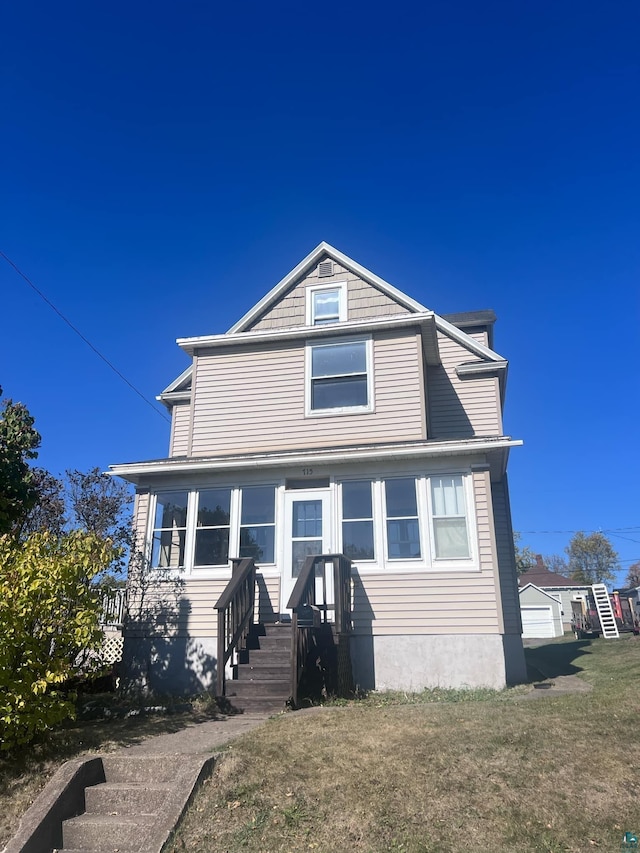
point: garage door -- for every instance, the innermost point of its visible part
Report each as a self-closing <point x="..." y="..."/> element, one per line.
<point x="537" y="621"/>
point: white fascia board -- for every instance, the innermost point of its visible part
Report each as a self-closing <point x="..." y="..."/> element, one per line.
<point x="477" y="367"/>
<point x="466" y="340"/>
<point x="304" y="332"/>
<point x="314" y="457"/>
<point x="186" y="374"/>
<point x="311" y="259"/>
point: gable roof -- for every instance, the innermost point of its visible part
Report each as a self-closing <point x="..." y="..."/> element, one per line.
<point x="323" y="250"/>
<point x="541" y="591"/>
<point x="541" y="577"/>
<point x="490" y="362"/>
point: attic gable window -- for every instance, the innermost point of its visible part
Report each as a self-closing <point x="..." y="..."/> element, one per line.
<point x="327" y="304"/>
<point x="339" y="377"/>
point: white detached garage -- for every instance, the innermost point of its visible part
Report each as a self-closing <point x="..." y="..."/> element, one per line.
<point x="541" y="613"/>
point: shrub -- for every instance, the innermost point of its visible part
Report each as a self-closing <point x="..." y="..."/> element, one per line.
<point x="49" y="615"/>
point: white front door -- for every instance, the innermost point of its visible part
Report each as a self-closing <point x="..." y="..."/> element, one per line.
<point x="307" y="519"/>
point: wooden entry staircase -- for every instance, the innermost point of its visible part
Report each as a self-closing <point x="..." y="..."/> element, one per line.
<point x="279" y="665"/>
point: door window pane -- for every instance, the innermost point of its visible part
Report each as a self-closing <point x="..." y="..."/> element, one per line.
<point x="300" y="551"/>
<point x="307" y="519"/>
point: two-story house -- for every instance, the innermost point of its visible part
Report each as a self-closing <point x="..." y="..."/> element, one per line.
<point x="340" y="416"/>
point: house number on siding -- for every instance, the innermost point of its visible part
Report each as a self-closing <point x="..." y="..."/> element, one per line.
<point x="307" y="471"/>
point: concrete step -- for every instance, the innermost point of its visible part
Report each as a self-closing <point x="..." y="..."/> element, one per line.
<point x="134" y="768"/>
<point x="127" y="798"/>
<point x="106" y="832"/>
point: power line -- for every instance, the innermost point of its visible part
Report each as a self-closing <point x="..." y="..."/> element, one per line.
<point x="83" y="338"/>
<point x="600" y="530"/>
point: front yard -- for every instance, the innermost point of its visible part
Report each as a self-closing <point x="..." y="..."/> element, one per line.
<point x="516" y="771"/>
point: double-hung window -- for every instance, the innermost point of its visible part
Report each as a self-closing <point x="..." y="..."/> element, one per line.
<point x="257" y="523"/>
<point x="357" y="520"/>
<point x="326" y="304"/>
<point x="169" y="530"/>
<point x="212" y="527"/>
<point x="340" y="376"/>
<point x="403" y="526"/>
<point x="449" y="517"/>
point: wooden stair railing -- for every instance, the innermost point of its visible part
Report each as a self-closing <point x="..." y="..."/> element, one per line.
<point x="235" y="614"/>
<point x="306" y="609"/>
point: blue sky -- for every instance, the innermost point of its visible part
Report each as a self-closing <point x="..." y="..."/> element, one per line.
<point x="165" y="164"/>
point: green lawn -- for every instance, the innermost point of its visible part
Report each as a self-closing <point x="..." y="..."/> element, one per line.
<point x="469" y="772"/>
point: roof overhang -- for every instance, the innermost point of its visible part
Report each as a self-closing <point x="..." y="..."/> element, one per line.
<point x="425" y="321"/>
<point x="497" y="448"/>
<point x="321" y="250"/>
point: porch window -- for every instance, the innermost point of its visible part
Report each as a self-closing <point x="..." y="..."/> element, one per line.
<point x="257" y="523"/>
<point x="169" y="530"/>
<point x="212" y="527"/>
<point x="449" y="518"/>
<point x="357" y="520"/>
<point x="403" y="529"/>
<point x="340" y="376"/>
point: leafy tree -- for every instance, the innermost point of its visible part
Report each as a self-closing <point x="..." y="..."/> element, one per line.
<point x="19" y="442"/>
<point x="633" y="575"/>
<point x="525" y="558"/>
<point x="556" y="563"/>
<point x="100" y="505"/>
<point x="49" y="511"/>
<point x="49" y="612"/>
<point x="592" y="558"/>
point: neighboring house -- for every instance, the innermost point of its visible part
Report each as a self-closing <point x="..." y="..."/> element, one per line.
<point x="339" y="415"/>
<point x="563" y="589"/>
<point x="541" y="613"/>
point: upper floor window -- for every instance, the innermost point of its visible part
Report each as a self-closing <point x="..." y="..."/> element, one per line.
<point x="340" y="376"/>
<point x="169" y="530"/>
<point x="449" y="517"/>
<point x="327" y="304"/>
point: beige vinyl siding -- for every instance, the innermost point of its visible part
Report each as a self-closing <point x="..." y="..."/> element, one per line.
<point x="249" y="401"/>
<point x="140" y="517"/>
<point x="180" y="418"/>
<point x="189" y="609"/>
<point x="506" y="559"/>
<point x="363" y="301"/>
<point x="461" y="408"/>
<point x="435" y="603"/>
<point x="425" y="603"/>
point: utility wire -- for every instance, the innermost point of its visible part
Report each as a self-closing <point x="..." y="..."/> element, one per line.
<point x="600" y="530"/>
<point x="82" y="337"/>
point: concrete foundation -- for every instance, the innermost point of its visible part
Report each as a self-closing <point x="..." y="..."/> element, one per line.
<point x="413" y="662"/>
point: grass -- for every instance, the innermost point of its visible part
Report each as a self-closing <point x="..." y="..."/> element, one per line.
<point x="441" y="771"/>
<point x="24" y="774"/>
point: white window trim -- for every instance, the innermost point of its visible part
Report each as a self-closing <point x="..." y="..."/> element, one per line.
<point x="339" y="410"/>
<point x="417" y="481"/>
<point x="222" y="570"/>
<point x="371" y="561"/>
<point x="341" y="287"/>
<point x="445" y="563"/>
